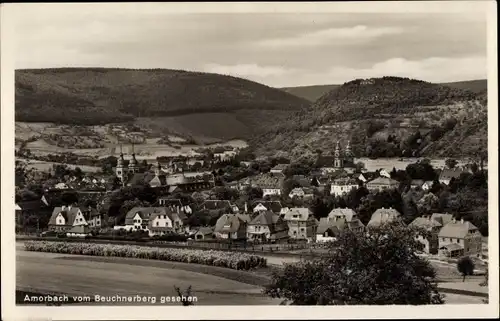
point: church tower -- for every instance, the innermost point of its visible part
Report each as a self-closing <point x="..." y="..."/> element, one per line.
<point x="121" y="171"/>
<point x="158" y="169"/>
<point x="349" y="156"/>
<point x="338" y="161"/>
<point x="132" y="165"/>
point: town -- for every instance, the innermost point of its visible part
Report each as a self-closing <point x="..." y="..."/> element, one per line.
<point x="231" y="199"/>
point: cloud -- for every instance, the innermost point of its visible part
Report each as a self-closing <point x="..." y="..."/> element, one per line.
<point x="435" y="69"/>
<point x="356" y="34"/>
<point x="251" y="71"/>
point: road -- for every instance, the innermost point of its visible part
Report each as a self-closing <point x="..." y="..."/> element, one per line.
<point x="47" y="272"/>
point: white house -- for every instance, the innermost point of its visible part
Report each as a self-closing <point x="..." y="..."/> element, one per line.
<point x="61" y="186"/>
<point x="384" y="173"/>
<point x="343" y="186"/>
<point x="64" y="218"/>
<point x="427" y="185"/>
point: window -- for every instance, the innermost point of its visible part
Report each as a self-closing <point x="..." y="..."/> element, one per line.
<point x="157" y="223"/>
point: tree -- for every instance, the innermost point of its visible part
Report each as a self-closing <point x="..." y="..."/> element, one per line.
<point x="380" y="268"/>
<point x="451" y="163"/>
<point x="465" y="266"/>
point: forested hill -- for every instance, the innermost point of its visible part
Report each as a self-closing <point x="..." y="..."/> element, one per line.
<point x="312" y="93"/>
<point x="91" y="96"/>
<point x="383" y="112"/>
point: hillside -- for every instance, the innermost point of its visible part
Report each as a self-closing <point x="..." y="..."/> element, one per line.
<point x="385" y="117"/>
<point x="98" y="96"/>
<point x="312" y="93"/>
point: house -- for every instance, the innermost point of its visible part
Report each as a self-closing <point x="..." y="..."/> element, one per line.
<point x="417" y="183"/>
<point x="301" y="192"/>
<point x="78" y="231"/>
<point x="303" y="180"/>
<point x="427" y="185"/>
<point x="432" y="227"/>
<point x="64" y="218"/>
<point x="342" y="186"/>
<point x="267" y="226"/>
<point x="442" y="218"/>
<point x="189" y="183"/>
<point x="460" y="238"/>
<point x="270" y="184"/>
<point x="301" y="223"/>
<point x="95" y="218"/>
<point x="278" y="169"/>
<point x="165" y="221"/>
<point x="203" y="233"/>
<point x="167" y="201"/>
<point x="223" y="205"/>
<point x="447" y="175"/>
<point x="232" y="226"/>
<point x="137" y="219"/>
<point x="326" y="230"/>
<point x="381" y="183"/>
<point x="383" y="216"/>
<point x="273" y="206"/>
<point x="345" y="218"/>
<point x="362" y="178"/>
<point x="384" y="173"/>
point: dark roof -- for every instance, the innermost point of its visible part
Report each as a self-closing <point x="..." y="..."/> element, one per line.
<point x="68" y="213"/>
<point x="265" y="218"/>
<point x="457" y="229"/>
<point x="325" y="224"/>
<point x="144" y="212"/>
<point x="30" y="205"/>
<point x="205" y="230"/>
<point x="216" y="204"/>
<point x="230" y="223"/>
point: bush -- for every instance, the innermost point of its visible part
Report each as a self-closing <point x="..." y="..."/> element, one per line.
<point x="465" y="266"/>
<point x="232" y="260"/>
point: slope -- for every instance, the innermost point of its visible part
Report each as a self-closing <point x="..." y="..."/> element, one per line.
<point x="312" y="93"/>
<point x="96" y="96"/>
<point x="382" y="117"/>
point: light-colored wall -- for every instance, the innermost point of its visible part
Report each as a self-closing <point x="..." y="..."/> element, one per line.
<point x="258" y="229"/>
<point x="271" y="191"/>
<point x="339" y="190"/>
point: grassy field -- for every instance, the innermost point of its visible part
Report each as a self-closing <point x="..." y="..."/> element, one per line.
<point x="121" y="277"/>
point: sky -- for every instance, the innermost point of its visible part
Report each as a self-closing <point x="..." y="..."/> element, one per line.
<point x="276" y="49"/>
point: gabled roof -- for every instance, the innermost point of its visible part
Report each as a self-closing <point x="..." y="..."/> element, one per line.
<point x="303" y="214"/>
<point x="325" y="224"/>
<point x="160" y="180"/>
<point x="452" y="247"/>
<point x="205" y="230"/>
<point x="69" y="214"/>
<point x="30" y="205"/>
<point x="230" y="223"/>
<point x="442" y="218"/>
<point x="417" y="182"/>
<point x="448" y="174"/>
<point x="265" y="218"/>
<point x="347" y="213"/>
<point x="383" y="181"/>
<point x="425" y="222"/>
<point x="457" y="229"/>
<point x="274" y="206"/>
<point x="145" y="213"/>
<point x="382" y="216"/>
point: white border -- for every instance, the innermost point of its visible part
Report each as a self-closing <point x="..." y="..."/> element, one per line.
<point x="10" y="12"/>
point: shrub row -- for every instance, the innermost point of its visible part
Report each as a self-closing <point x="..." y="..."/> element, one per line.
<point x="232" y="260"/>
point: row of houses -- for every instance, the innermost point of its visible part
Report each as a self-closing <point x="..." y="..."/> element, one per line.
<point x="444" y="234"/>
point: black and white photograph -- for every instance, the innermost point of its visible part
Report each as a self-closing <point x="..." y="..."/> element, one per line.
<point x="235" y="154"/>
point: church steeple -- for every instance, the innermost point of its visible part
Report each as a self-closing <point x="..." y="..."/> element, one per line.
<point x="133" y="162"/>
<point x="338" y="158"/>
<point x="337" y="149"/>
